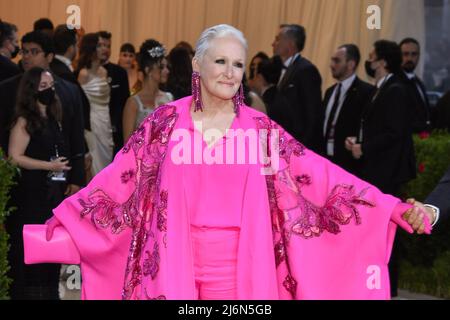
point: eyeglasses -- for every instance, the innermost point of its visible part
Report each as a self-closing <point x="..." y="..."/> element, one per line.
<point x="34" y="52"/>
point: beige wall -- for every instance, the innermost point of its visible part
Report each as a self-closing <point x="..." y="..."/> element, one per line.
<point x="328" y="22"/>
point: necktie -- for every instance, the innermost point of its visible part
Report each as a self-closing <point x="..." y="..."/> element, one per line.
<point x="333" y="111"/>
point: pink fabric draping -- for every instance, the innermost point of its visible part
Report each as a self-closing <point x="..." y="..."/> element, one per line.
<point x="308" y="231"/>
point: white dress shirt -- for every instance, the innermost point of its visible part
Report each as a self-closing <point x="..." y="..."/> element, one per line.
<point x="436" y="211"/>
<point x="383" y="80"/>
<point x="287" y="64"/>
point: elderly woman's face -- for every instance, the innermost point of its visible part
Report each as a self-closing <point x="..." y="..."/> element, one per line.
<point x="222" y="67"/>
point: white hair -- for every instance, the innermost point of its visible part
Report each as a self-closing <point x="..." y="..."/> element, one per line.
<point x="219" y="31"/>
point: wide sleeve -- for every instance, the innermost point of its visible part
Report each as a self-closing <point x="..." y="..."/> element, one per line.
<point x="336" y="231"/>
<point x="101" y="217"/>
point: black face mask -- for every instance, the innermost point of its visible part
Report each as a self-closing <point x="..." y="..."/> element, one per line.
<point x="15" y="52"/>
<point x="46" y="97"/>
<point x="369" y="70"/>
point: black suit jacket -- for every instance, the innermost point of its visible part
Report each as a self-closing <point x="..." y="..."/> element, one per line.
<point x="441" y="114"/>
<point x="269" y="96"/>
<point x="348" y="122"/>
<point x="440" y="197"/>
<point x="298" y="103"/>
<point x="8" y="92"/>
<point x="120" y="92"/>
<point x="8" y="69"/>
<point x="61" y="70"/>
<point x="72" y="122"/>
<point x="388" y="150"/>
<point x="419" y="108"/>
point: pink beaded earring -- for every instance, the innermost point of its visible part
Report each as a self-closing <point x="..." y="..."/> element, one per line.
<point x="238" y="99"/>
<point x="196" y="92"/>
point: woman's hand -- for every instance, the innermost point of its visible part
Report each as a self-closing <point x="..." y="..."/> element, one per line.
<point x="59" y="165"/>
<point x="52" y="223"/>
<point x="427" y="211"/>
<point x="416" y="216"/>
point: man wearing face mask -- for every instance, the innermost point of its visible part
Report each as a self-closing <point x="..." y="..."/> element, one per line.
<point x="385" y="144"/>
<point x="9" y="48"/>
<point x="37" y="51"/>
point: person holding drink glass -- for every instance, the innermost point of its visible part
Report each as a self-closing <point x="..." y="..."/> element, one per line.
<point x="37" y="148"/>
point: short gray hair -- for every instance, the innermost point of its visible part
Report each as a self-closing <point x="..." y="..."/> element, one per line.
<point x="219" y="31"/>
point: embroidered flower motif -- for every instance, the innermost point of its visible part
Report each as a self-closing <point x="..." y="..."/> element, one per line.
<point x="162" y="212"/>
<point x="136" y="140"/>
<point x="127" y="176"/>
<point x="303" y="180"/>
<point x="151" y="263"/>
<point x="290" y="284"/>
<point x="138" y="211"/>
<point x="280" y="253"/>
<point x="107" y="213"/>
<point x="288" y="146"/>
<point x="339" y="209"/>
<point x="293" y="214"/>
<point x="161" y="123"/>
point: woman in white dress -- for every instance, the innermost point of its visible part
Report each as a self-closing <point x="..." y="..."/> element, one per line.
<point x="93" y="78"/>
<point x="154" y="71"/>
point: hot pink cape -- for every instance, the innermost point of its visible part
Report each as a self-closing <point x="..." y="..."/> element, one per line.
<point x="310" y="231"/>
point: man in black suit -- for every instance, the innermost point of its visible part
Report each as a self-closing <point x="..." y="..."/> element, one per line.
<point x="440" y="197"/>
<point x="385" y="142"/>
<point x="9" y="48"/>
<point x="343" y="105"/>
<point x="120" y="90"/>
<point x="441" y="114"/>
<point x="419" y="103"/>
<point x="37" y="51"/>
<point x="437" y="204"/>
<point x="65" y="42"/>
<point x="298" y="103"/>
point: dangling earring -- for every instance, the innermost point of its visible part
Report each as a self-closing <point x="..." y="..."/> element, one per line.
<point x="238" y="100"/>
<point x="196" y="92"/>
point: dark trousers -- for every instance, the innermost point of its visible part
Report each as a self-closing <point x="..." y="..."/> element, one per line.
<point x="394" y="262"/>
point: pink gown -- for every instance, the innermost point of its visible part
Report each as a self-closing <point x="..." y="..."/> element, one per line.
<point x="308" y="231"/>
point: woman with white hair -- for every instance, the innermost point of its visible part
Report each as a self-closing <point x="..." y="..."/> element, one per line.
<point x="211" y="200"/>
